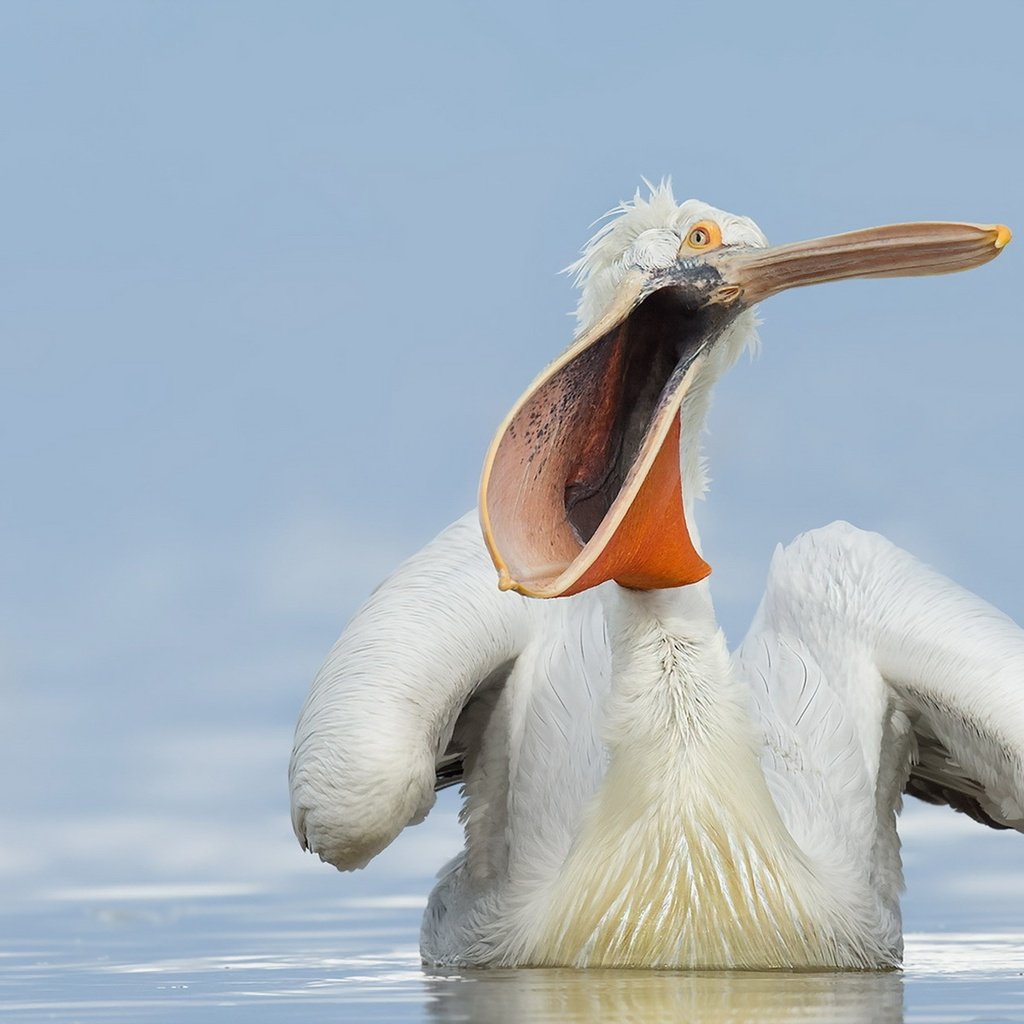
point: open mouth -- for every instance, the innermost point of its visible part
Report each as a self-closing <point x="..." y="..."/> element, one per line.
<point x="636" y="370"/>
<point x="582" y="482"/>
<point x="585" y="479"/>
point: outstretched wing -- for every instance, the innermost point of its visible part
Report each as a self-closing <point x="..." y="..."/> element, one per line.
<point x="390" y="712"/>
<point x="899" y="643"/>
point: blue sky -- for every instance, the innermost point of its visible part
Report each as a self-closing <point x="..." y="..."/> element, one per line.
<point x="271" y="274"/>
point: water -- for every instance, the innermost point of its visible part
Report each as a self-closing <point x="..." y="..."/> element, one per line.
<point x="222" y="953"/>
<point x="190" y="901"/>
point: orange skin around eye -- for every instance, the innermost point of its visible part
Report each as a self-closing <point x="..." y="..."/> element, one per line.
<point x="703" y="236"/>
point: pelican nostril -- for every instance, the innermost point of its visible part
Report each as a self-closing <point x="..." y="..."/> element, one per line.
<point x="726" y="294"/>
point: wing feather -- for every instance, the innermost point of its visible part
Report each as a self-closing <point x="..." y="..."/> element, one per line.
<point x="380" y="726"/>
<point x="950" y="662"/>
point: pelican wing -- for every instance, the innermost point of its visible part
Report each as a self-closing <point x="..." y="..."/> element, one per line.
<point x="927" y="678"/>
<point x="390" y="714"/>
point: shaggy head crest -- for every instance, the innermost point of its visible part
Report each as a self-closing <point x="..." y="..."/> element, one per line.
<point x="645" y="233"/>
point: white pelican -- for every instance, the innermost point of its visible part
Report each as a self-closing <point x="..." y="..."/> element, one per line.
<point x="634" y="796"/>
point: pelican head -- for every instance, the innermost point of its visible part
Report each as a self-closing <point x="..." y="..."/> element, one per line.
<point x="592" y="475"/>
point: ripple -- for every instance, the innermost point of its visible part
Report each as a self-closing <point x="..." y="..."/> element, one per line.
<point x="199" y="952"/>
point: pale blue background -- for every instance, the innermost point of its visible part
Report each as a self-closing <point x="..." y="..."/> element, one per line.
<point x="270" y="274"/>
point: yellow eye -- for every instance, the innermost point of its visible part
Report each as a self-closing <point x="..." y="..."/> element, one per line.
<point x="704" y="235"/>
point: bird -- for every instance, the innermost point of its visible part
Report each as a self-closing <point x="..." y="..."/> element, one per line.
<point x="635" y="794"/>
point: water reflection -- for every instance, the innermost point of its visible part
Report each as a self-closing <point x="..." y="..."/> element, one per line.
<point x="160" y="957"/>
<point x="490" y="997"/>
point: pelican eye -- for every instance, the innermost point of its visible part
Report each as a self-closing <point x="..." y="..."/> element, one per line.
<point x="704" y="235"/>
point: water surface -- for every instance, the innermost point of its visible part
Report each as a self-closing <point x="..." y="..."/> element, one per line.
<point x="215" y="953"/>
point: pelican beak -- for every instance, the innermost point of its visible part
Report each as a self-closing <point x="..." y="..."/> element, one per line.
<point x="896" y="250"/>
<point x="582" y="482"/>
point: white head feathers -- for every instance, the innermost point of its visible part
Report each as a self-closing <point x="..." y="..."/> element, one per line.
<point x="645" y="234"/>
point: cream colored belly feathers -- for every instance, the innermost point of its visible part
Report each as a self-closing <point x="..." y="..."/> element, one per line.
<point x="678" y="879"/>
<point x="683" y="859"/>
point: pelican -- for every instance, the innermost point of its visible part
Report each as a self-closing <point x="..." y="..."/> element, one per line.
<point x="634" y="795"/>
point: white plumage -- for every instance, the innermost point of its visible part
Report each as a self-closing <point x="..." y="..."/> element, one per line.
<point x="633" y="794"/>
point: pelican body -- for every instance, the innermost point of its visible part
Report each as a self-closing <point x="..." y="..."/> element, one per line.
<point x="634" y="794"/>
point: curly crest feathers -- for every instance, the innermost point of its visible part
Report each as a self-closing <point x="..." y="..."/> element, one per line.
<point x="644" y="232"/>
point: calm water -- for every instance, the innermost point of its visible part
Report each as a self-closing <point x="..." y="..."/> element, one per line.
<point x="215" y="953"/>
